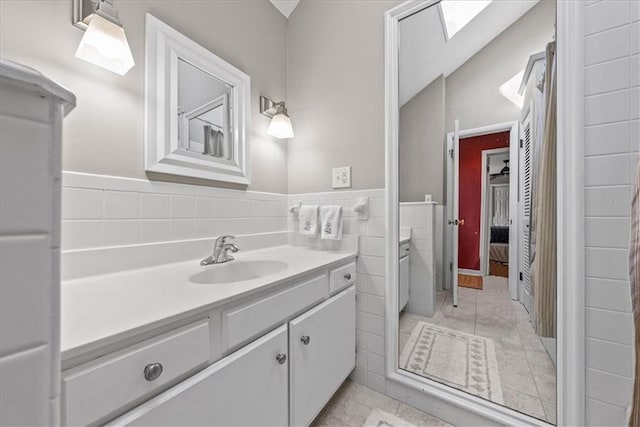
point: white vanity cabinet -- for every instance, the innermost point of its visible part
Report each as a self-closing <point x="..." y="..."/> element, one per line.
<point x="272" y="358"/>
<point x="322" y="345"/>
<point x="247" y="388"/>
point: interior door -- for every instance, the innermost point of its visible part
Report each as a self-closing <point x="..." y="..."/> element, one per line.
<point x="247" y="388"/>
<point x="322" y="345"/>
<point x="456" y="210"/>
<point x="525" y="175"/>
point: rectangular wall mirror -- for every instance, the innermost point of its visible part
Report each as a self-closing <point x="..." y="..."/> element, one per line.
<point x="197" y="108"/>
<point x="476" y="169"/>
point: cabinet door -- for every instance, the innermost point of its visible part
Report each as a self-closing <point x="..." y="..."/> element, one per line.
<point x="249" y="387"/>
<point x="404" y="283"/>
<point x="321" y="363"/>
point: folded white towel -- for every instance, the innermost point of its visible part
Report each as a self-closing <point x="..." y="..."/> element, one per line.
<point x="331" y="222"/>
<point x="308" y="220"/>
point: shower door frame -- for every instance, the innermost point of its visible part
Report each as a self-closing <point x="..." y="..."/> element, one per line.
<point x="446" y="402"/>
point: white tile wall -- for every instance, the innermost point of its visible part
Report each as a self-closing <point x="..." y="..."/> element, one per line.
<point x="370" y="281"/>
<point x="100" y="211"/>
<point x="611" y="150"/>
<point x="421" y="218"/>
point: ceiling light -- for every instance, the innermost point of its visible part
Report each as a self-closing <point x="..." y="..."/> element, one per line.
<point x="455" y="14"/>
<point x="104" y="42"/>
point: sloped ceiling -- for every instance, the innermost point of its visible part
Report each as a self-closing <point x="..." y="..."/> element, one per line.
<point x="285" y="6"/>
<point x="424" y="54"/>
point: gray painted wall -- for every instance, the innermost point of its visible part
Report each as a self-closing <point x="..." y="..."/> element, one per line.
<point x="421" y="128"/>
<point x="472" y="90"/>
<point x="105" y="133"/>
<point x="336" y="92"/>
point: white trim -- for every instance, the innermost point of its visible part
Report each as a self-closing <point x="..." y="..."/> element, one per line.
<point x="570" y="179"/>
<point x="485" y="217"/>
<point x="514" y="137"/>
<point x="164" y="152"/>
<point x="571" y="367"/>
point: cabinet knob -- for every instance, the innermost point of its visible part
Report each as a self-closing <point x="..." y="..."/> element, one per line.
<point x="152" y="371"/>
<point x="281" y="358"/>
<point x="306" y="339"/>
<point x="347" y="276"/>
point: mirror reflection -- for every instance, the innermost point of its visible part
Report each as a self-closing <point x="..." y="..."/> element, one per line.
<point x="477" y="273"/>
<point x="204" y="112"/>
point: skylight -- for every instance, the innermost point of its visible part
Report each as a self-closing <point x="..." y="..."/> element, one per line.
<point x="458" y="13"/>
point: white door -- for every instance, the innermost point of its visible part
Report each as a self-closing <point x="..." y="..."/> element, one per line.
<point x="322" y="345"/>
<point x="404" y="282"/>
<point x="247" y="388"/>
<point x="455" y="203"/>
<point x="525" y="175"/>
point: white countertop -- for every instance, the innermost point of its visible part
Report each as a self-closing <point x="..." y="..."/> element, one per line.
<point x="101" y="309"/>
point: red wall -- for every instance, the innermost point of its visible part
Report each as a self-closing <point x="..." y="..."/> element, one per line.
<point x="470" y="191"/>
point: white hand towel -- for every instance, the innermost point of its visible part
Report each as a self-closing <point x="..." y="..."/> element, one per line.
<point x="308" y="220"/>
<point x="331" y="222"/>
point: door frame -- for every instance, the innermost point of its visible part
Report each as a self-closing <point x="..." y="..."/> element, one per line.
<point x="448" y="403"/>
<point x="486" y="207"/>
<point x="514" y="138"/>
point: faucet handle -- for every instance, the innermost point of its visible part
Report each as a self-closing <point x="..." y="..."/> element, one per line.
<point x="222" y="239"/>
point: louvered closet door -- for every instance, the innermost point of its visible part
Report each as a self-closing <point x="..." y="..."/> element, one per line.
<point x="524" y="285"/>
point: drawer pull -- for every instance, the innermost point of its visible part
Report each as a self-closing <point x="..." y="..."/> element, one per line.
<point x="281" y="358"/>
<point x="152" y="371"/>
<point x="306" y="339"/>
<point x="347" y="276"/>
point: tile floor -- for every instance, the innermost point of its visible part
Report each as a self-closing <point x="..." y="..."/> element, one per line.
<point x="353" y="403"/>
<point x="527" y="374"/>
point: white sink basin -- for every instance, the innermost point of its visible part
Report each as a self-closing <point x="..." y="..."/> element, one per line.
<point x="238" y="271"/>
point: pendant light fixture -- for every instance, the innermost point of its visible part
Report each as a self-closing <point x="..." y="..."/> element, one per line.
<point x="104" y="42"/>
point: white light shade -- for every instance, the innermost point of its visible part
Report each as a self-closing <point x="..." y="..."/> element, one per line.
<point x="280" y="126"/>
<point x="509" y="90"/>
<point x="105" y="45"/>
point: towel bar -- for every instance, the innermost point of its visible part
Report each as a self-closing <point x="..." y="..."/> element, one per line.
<point x="360" y="208"/>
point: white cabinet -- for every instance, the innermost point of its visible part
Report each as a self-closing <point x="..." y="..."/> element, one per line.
<point x="404" y="283"/>
<point x="247" y="388"/>
<point x="322" y="347"/>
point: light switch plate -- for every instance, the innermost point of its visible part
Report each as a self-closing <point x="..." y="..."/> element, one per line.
<point x="341" y="177"/>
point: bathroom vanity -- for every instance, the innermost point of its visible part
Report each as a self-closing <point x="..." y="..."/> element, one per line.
<point x="264" y="340"/>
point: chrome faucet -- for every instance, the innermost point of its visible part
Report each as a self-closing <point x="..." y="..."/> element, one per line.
<point x="221" y="251"/>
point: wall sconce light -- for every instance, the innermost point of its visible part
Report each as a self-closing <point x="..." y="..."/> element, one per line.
<point x="280" y="125"/>
<point x="104" y="42"/>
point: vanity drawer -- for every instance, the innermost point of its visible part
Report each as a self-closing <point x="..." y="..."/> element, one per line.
<point x="244" y="322"/>
<point x="341" y="277"/>
<point x="107" y="384"/>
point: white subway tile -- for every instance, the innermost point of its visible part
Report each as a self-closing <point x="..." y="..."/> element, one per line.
<point x="634" y="67"/>
<point x="605" y="15"/>
<point x="375" y="364"/>
<point x="605" y="415"/>
<point x="608" y="232"/>
<point x="376" y="208"/>
<point x="182" y="206"/>
<point x="225" y="208"/>
<point x="375" y="344"/>
<point x="375" y="305"/>
<point x="82" y="234"/>
<point x="608" y="388"/>
<point x="607" y="170"/>
<point x="121" y="205"/>
<point x="607" y="263"/>
<point x="155" y="206"/>
<point x="375" y="246"/>
<point x="607" y="108"/>
<point x="607" y="45"/>
<point x="25" y="287"/>
<point x="78" y="203"/>
<point x="635" y="103"/>
<point x="206" y="207"/>
<point x="608" y="201"/>
<point x="122" y="232"/>
<point x="608" y="294"/>
<point x="609" y="325"/>
<point x="183" y="229"/>
<point x="634" y="30"/>
<point x="155" y="230"/>
<point x="607" y="139"/>
<point x="609" y="357"/>
<point x="608" y="76"/>
<point x="375" y="227"/>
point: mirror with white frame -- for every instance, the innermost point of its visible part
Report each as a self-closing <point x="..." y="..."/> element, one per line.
<point x="475" y="77"/>
<point x="197" y="108"/>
